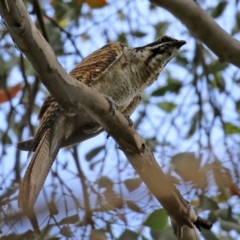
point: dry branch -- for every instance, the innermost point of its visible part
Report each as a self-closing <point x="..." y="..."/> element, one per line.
<point x="204" y="28"/>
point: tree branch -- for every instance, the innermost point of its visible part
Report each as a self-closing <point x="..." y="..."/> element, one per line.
<point x="74" y="96"/>
<point x="40" y="17"/>
<point x="82" y="177"/>
<point x="203" y="27"/>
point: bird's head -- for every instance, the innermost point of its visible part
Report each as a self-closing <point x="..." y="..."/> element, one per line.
<point x="161" y="51"/>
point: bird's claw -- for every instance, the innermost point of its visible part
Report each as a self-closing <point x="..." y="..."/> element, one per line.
<point x="113" y="105"/>
<point x="130" y="122"/>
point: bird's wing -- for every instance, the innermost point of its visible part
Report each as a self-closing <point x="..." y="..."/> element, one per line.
<point x="96" y="64"/>
<point x="47" y="103"/>
<point x="47" y="115"/>
<point x="88" y="71"/>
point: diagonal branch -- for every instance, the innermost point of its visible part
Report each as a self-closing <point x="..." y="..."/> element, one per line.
<point x="82" y="178"/>
<point x="40" y="17"/>
<point x="203" y="27"/>
<point x="74" y="96"/>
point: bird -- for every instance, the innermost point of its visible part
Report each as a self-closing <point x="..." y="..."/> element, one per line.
<point x="118" y="72"/>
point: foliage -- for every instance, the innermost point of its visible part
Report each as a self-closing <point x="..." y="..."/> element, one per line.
<point x="189" y="119"/>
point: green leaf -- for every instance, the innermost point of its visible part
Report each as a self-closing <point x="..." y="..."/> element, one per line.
<point x="230" y="128"/>
<point x="85" y="37"/>
<point x="192" y="128"/>
<point x="122" y="38"/>
<point x="128" y="234"/>
<point x="138" y="34"/>
<point x="5" y="138"/>
<point x="161" y="28"/>
<point x="166" y="233"/>
<point x="181" y="60"/>
<point x="218" y="10"/>
<point x="238" y="106"/>
<point x="55" y="37"/>
<point x="69" y="220"/>
<point x="121" y="15"/>
<point x="132" y="183"/>
<point x="93" y="152"/>
<point x="208" y="203"/>
<point x="217" y="66"/>
<point x="92" y="165"/>
<point x="152" y="143"/>
<point x="224" y="214"/>
<point x="66" y="232"/>
<point x="98" y="234"/>
<point x="229" y="226"/>
<point x="167" y="106"/>
<point x="74" y="10"/>
<point x="157" y="220"/>
<point x="172" y="86"/>
<point x="209" y="235"/>
<point x="160" y="92"/>
<point x="218" y="82"/>
<point x="105" y="182"/>
<point x="152" y="6"/>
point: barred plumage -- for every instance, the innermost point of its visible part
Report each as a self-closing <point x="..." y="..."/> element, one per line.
<point x="116" y="71"/>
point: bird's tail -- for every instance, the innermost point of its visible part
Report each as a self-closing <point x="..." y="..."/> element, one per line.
<point x="39" y="167"/>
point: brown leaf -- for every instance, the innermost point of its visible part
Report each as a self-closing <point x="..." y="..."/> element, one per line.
<point x="122" y="217"/>
<point x="11" y="92"/>
<point x="96" y="3"/>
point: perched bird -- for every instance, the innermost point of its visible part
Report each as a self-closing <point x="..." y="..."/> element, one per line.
<point x="118" y="72"/>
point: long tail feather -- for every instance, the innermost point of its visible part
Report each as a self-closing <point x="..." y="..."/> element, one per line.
<point x="38" y="169"/>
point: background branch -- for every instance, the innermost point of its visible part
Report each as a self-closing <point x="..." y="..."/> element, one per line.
<point x="203" y="27"/>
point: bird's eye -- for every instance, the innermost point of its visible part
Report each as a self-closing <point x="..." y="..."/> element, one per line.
<point x="165" y="38"/>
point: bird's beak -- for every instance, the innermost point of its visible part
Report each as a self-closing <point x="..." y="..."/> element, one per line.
<point x="178" y="43"/>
